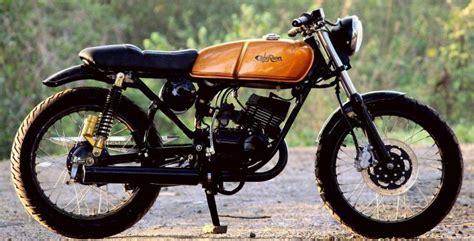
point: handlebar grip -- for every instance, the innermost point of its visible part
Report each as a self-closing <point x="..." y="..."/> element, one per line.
<point x="294" y="31"/>
<point x="303" y="20"/>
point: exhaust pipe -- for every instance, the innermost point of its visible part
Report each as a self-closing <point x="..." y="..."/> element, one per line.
<point x="140" y="175"/>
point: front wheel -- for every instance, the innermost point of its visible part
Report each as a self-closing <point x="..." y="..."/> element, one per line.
<point x="404" y="197"/>
<point x="41" y="166"/>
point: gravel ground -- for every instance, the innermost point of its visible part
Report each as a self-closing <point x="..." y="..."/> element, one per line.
<point x="285" y="207"/>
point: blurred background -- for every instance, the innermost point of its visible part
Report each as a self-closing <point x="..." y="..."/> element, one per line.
<point x="423" y="47"/>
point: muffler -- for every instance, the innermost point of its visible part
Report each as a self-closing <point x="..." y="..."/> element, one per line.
<point x="139" y="175"/>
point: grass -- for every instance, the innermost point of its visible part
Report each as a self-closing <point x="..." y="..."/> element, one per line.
<point x="464" y="132"/>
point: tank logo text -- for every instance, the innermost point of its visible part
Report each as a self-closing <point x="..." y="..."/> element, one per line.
<point x="268" y="58"/>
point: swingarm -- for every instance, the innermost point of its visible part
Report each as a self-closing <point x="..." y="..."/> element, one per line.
<point x="157" y="154"/>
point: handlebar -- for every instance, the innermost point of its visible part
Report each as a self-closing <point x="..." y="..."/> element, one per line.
<point x="303" y="20"/>
<point x="302" y="23"/>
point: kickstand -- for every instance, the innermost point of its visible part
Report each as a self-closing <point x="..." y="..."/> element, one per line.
<point x="215" y="227"/>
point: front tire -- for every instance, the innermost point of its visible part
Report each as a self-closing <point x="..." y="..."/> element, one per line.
<point x="34" y="196"/>
<point x="361" y="218"/>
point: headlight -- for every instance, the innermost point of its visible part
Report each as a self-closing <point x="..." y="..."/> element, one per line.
<point x="357" y="34"/>
<point x="347" y="35"/>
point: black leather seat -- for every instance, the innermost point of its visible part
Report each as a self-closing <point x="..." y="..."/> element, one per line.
<point x="127" y="57"/>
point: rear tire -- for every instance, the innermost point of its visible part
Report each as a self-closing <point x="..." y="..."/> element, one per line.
<point x="33" y="197"/>
<point x="420" y="223"/>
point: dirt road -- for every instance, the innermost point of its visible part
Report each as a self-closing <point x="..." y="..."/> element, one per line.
<point x="285" y="207"/>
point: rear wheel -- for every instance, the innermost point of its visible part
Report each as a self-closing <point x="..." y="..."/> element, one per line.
<point x="41" y="167"/>
<point x="405" y="197"/>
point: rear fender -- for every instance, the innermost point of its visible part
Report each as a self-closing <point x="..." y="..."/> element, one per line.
<point x="75" y="73"/>
<point x="369" y="97"/>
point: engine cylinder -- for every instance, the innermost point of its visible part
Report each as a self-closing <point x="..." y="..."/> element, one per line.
<point x="266" y="113"/>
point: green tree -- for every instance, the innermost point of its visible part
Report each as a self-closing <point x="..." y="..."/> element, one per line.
<point x="422" y="49"/>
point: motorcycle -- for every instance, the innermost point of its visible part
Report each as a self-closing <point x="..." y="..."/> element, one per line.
<point x="88" y="162"/>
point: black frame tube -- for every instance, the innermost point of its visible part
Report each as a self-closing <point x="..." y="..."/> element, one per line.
<point x="307" y="87"/>
<point x="140" y="175"/>
<point x="138" y="83"/>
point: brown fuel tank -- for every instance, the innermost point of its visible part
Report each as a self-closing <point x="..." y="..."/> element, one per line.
<point x="285" y="61"/>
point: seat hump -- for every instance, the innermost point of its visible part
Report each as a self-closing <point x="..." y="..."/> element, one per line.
<point x="128" y="57"/>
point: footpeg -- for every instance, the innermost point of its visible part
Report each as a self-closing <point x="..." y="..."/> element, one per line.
<point x="169" y="138"/>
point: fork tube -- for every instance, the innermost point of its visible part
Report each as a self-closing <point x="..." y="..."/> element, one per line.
<point x="347" y="84"/>
<point x="356" y="99"/>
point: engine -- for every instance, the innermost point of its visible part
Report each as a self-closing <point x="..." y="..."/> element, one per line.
<point x="256" y="125"/>
<point x="242" y="137"/>
<point x="266" y="113"/>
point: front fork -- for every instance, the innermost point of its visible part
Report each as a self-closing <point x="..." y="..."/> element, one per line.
<point x="356" y="100"/>
<point x="368" y="125"/>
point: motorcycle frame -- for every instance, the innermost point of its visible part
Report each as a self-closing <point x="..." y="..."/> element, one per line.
<point x="206" y="93"/>
<point x="327" y="64"/>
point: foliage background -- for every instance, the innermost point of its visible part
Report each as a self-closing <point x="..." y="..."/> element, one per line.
<point x="422" y="47"/>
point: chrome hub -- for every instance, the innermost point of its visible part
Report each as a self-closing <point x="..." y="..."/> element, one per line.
<point x="79" y="156"/>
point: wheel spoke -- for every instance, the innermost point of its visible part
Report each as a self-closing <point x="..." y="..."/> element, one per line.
<point x="100" y="202"/>
<point x="433" y="167"/>
<point x="423" y="138"/>
<point x="117" y="132"/>
<point x="429" y="149"/>
<point x="413" y="135"/>
<point x="358" y="196"/>
<point x="430" y="159"/>
<point x="368" y="205"/>
<point x="422" y="194"/>
<point x="398" y="204"/>
<point x="349" y="169"/>
<point x="407" y="206"/>
<point x="377" y="205"/>
<point x="344" y="162"/>
<point x="355" y="189"/>
<point x="345" y="153"/>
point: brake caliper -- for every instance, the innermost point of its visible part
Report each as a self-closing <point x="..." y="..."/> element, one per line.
<point x="364" y="158"/>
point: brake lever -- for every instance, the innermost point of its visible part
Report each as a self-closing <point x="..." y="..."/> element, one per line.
<point x="294" y="31"/>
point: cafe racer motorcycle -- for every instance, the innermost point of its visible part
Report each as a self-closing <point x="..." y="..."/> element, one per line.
<point x="88" y="162"/>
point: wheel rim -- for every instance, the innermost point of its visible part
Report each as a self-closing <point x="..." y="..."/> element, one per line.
<point x="52" y="178"/>
<point x="375" y="199"/>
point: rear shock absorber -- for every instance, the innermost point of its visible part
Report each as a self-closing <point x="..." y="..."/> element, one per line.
<point x="107" y="116"/>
